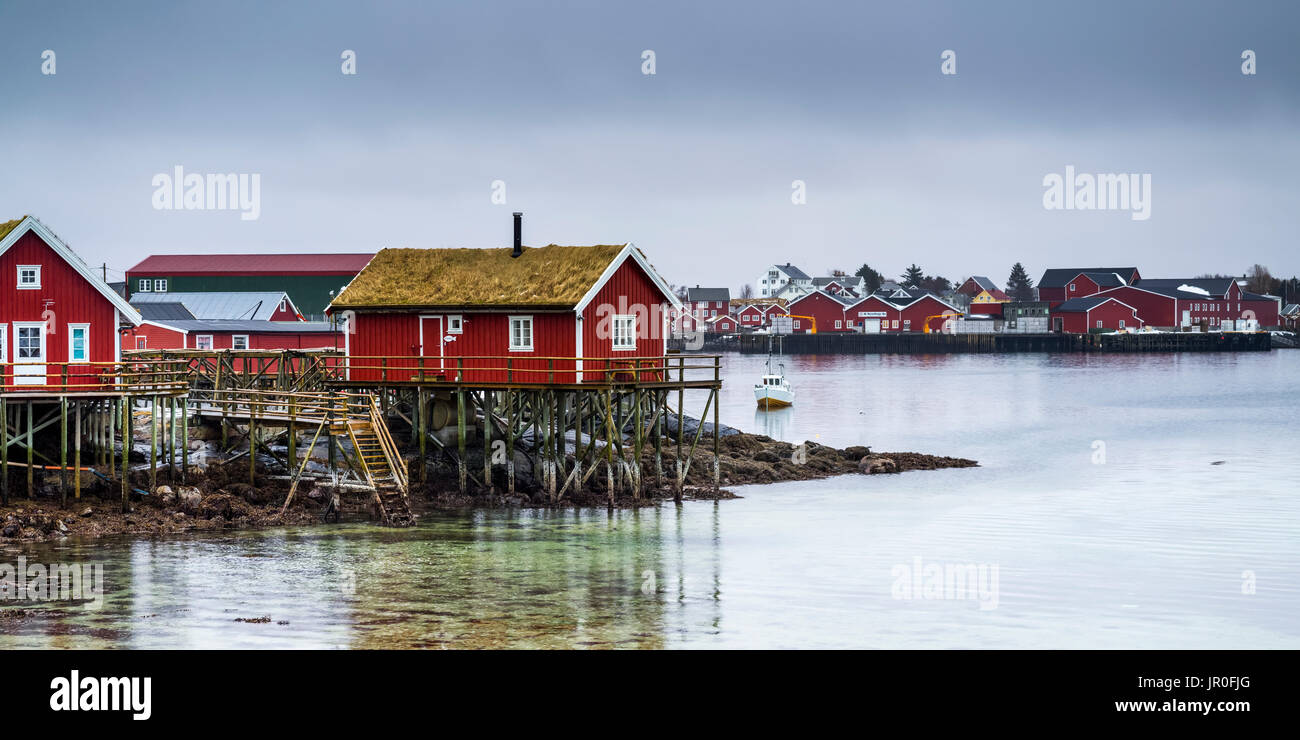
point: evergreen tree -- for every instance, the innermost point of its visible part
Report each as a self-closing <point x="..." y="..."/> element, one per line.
<point x="912" y="276"/>
<point x="872" y="278"/>
<point x="1019" y="285"/>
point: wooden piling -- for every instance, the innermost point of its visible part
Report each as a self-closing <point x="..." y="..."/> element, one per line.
<point x="76" y="453"/>
<point x="63" y="451"/>
<point x="4" y="451"/>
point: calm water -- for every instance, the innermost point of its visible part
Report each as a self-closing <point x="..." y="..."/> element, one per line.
<point x="1097" y="502"/>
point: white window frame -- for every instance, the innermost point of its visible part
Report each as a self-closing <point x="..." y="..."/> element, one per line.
<point x="160" y="285"/>
<point x="234" y="337"/>
<point x="72" y="335"/>
<point x="199" y="338"/>
<point x="1121" y="323"/>
<point x="618" y="340"/>
<point x="144" y="285"/>
<point x="511" y="332"/>
<point x="141" y="341"/>
<point x="839" y="324"/>
<point x="284" y="305"/>
<point x="28" y="286"/>
<point x="455" y="323"/>
<point x="1072" y="287"/>
<point x="4" y="346"/>
<point x="20" y="325"/>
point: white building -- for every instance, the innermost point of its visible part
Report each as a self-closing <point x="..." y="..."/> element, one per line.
<point x="777" y="277"/>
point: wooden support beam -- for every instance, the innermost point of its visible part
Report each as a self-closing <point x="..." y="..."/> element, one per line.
<point x="126" y="454"/>
<point x="31" y="486"/>
<point x="63" y="451"/>
<point x="154" y="420"/>
<point x="4" y="451"/>
<point x="76" y="452"/>
<point x="460" y="437"/>
<point x="485" y="402"/>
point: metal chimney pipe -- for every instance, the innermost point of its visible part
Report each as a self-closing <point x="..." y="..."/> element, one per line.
<point x="519" y="235"/>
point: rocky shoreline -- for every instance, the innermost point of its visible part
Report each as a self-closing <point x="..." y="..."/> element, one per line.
<point x="218" y="501"/>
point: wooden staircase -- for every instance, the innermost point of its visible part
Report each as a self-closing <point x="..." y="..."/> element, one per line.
<point x="381" y="462"/>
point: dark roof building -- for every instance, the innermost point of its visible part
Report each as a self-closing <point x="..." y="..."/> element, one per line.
<point x="697" y="294"/>
<point x="311" y="280"/>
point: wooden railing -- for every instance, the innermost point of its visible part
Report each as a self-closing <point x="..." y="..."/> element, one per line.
<point x="524" y="370"/>
<point x="153" y="377"/>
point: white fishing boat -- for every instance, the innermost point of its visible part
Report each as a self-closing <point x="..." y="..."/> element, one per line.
<point x="774" y="392"/>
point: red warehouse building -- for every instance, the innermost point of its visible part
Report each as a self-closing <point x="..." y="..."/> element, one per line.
<point x="57" y="317"/>
<point x="531" y="314"/>
<point x="1080" y="315"/>
<point x="826" y="309"/>
<point x="1218" y="304"/>
<point x="1061" y="284"/>
<point x="236" y="335"/>
<point x="898" y="311"/>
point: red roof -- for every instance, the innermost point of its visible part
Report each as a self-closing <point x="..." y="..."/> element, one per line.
<point x="253" y="264"/>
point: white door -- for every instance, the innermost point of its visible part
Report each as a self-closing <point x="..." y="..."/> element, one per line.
<point x="1187" y="318"/>
<point x="871" y="326"/>
<point x="431" y="341"/>
<point x="29" y="353"/>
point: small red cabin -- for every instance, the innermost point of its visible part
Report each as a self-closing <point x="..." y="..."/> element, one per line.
<point x="1081" y="315"/>
<point x="58" y="320"/>
<point x="551" y="314"/>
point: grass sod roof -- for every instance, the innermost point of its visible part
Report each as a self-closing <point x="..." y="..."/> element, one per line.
<point x="9" y="226"/>
<point x="550" y="276"/>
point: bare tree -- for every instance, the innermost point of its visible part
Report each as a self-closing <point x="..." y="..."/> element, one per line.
<point x="1258" y="279"/>
<point x="746" y="292"/>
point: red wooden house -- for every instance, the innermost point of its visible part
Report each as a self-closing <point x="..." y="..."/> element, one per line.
<point x="58" y="319"/>
<point x="721" y="325"/>
<point x="899" y="311"/>
<point x="551" y="314"/>
<point x="1080" y="315"/>
<point x="827" y="309"/>
<point x="1058" y="285"/>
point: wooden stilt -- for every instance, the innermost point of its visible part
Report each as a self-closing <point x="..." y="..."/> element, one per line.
<point x="510" y="441"/>
<point x="185" y="440"/>
<point x="31" y="445"/>
<point x="460" y="438"/>
<point x="422" y="419"/>
<point x="63" y="451"/>
<point x="126" y="455"/>
<point x="155" y="418"/>
<point x="4" y="450"/>
<point x="76" y="452"/>
<point x="486" y="402"/>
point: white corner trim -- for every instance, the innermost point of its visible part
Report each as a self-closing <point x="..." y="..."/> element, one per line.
<point x="628" y="250"/>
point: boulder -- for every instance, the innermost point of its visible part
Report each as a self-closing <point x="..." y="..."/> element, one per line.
<point x="873" y="464"/>
<point x="87" y="512"/>
<point x="189" y="497"/>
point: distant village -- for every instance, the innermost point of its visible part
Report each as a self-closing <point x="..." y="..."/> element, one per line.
<point x="249" y="302"/>
<point x="1069" y="299"/>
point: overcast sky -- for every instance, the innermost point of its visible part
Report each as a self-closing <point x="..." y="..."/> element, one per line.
<point x="694" y="164"/>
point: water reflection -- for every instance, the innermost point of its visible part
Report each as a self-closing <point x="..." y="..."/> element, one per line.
<point x="774" y="423"/>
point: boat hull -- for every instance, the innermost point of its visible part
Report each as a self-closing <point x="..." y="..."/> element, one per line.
<point x="772" y="397"/>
